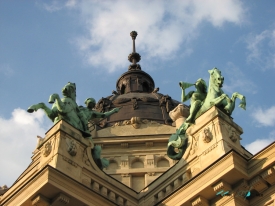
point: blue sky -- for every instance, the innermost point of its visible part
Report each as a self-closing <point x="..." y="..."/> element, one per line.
<point x="45" y="44"/>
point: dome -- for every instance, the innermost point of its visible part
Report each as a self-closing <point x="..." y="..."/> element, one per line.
<point x="137" y="97"/>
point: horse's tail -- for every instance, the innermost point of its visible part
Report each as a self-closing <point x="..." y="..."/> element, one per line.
<point x="174" y="155"/>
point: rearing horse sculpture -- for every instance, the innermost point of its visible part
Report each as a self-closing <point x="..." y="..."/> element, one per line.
<point x="65" y="108"/>
<point x="68" y="110"/>
<point x="215" y="97"/>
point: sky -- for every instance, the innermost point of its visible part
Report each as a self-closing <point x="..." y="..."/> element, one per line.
<point x="45" y="44"/>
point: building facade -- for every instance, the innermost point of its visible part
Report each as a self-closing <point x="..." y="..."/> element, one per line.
<point x="214" y="170"/>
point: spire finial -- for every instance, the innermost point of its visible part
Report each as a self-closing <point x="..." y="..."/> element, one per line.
<point x="134" y="34"/>
<point x="134" y="57"/>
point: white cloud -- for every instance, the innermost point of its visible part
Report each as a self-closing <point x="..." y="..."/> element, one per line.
<point x="259" y="144"/>
<point x="236" y="81"/>
<point x="17" y="142"/>
<point x="164" y="27"/>
<point x="261" y="49"/>
<point x="56" y="5"/>
<point x="264" y="117"/>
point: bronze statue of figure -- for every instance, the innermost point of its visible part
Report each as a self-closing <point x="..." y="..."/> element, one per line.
<point x="67" y="109"/>
<point x="201" y="101"/>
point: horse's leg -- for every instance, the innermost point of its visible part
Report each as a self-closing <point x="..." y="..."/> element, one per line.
<point x="35" y="107"/>
<point x="41" y="105"/>
<point x="242" y="98"/>
<point x="224" y="101"/>
<point x="218" y="100"/>
<point x="230" y="105"/>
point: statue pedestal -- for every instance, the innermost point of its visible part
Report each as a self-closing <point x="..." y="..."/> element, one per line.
<point x="65" y="149"/>
<point x="214" y="134"/>
<point x="67" y="159"/>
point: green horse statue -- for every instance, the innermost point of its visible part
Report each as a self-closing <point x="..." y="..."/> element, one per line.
<point x="64" y="108"/>
<point x="200" y="103"/>
<point x="67" y="109"/>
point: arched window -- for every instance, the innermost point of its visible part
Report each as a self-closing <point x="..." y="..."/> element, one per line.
<point x="145" y="87"/>
<point x="137" y="163"/>
<point x="113" y="165"/>
<point x="122" y="89"/>
<point x="163" y="163"/>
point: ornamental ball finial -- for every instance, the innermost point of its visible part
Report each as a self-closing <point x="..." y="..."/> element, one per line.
<point x="133" y="34"/>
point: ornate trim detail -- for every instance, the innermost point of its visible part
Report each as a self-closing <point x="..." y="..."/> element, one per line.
<point x="61" y="199"/>
<point x="232" y="134"/>
<point x="149" y="144"/>
<point x="222" y="188"/>
<point x="206" y="135"/>
<point x="166" y="101"/>
<point x="40" y="200"/>
<point x="150" y="162"/>
<point x="258" y="183"/>
<point x="47" y="149"/>
<point x="269" y="175"/>
<point x="151" y="173"/>
<point x="222" y="185"/>
<point x="210" y="149"/>
<point x="125" y="144"/>
<point x="86" y="158"/>
<point x="70" y="161"/>
<point x="136" y="122"/>
<point x="72" y="147"/>
<point x="200" y="201"/>
<point x="135" y="104"/>
<point x="124" y="163"/>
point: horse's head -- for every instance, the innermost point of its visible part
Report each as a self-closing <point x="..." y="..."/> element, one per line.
<point x="69" y="90"/>
<point x="216" y="77"/>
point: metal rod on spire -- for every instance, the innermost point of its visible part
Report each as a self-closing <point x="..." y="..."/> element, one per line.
<point x="134" y="57"/>
<point x="134" y="34"/>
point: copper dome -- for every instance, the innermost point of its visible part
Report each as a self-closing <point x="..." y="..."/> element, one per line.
<point x="137" y="96"/>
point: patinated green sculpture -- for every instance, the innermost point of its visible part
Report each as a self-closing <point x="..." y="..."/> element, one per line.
<point x="197" y="97"/>
<point x="78" y="116"/>
<point x="65" y="109"/>
<point x="200" y="103"/>
<point x="178" y="140"/>
<point x="89" y="113"/>
<point x="100" y="162"/>
<point x="68" y="110"/>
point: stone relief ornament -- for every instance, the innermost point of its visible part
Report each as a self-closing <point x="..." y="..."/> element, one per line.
<point x="135" y="103"/>
<point x="136" y="122"/>
<point x="72" y="147"/>
<point x="232" y="134"/>
<point x="194" y="146"/>
<point x="86" y="158"/>
<point x="47" y="149"/>
<point x="206" y="135"/>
